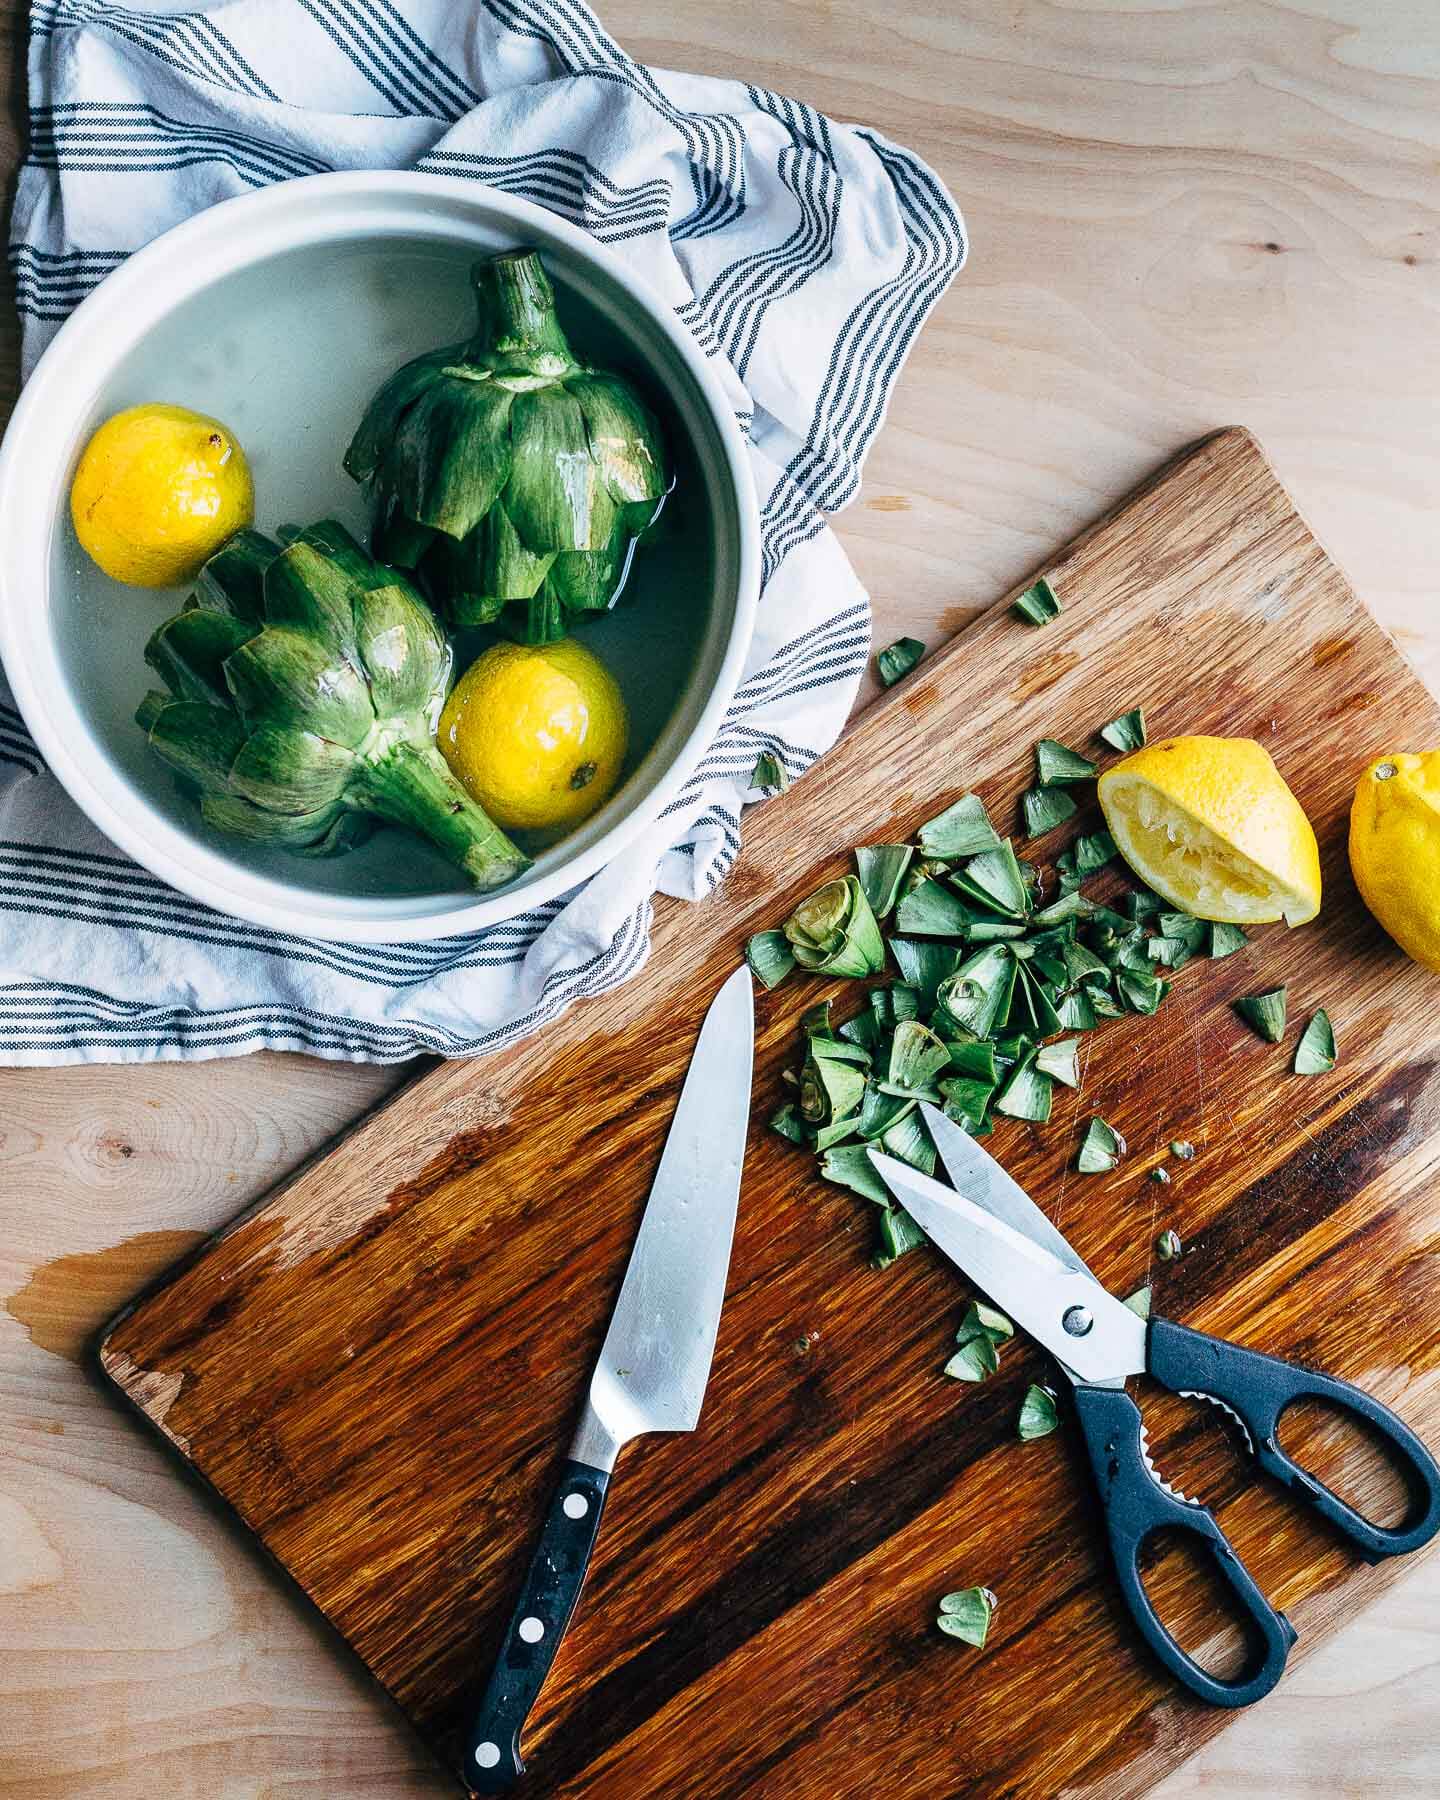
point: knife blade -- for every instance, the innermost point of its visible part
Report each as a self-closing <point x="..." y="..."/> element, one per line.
<point x="653" y="1366"/>
<point x="655" y="1360"/>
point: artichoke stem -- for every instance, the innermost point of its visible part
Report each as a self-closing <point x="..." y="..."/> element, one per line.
<point x="411" y="784"/>
<point x="517" y="306"/>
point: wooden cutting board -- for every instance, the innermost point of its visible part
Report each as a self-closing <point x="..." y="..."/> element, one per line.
<point x="379" y="1367"/>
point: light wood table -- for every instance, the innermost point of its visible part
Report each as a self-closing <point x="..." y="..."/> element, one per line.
<point x="1183" y="216"/>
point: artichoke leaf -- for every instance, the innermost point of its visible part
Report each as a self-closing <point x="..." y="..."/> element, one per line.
<point x="625" y="438"/>
<point x="555" y="496"/>
<point x="328" y="831"/>
<point x="151" y="707"/>
<point x="400" y="541"/>
<point x="343" y="550"/>
<point x="308" y="589"/>
<point x="493" y="561"/>
<point x="287" y="770"/>
<point x="383" y="414"/>
<point x="349" y="829"/>
<point x="835" y="932"/>
<point x="300" y="832"/>
<point x="591" y="580"/>
<point x="200" y="741"/>
<point x="286" y="676"/>
<point x="403" y="650"/>
<point x="451" y="456"/>
<point x="234" y="578"/>
<point x="466" y="610"/>
<point x="188" y="652"/>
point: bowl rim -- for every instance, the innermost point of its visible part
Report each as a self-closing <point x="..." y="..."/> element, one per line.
<point x="27" y="640"/>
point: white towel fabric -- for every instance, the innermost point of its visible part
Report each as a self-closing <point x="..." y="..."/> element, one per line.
<point x="804" y="255"/>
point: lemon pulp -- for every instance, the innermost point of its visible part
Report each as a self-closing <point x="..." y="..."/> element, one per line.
<point x="1211" y="826"/>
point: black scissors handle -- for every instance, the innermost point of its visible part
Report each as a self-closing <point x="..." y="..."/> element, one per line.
<point x="1257" y="1389"/>
<point x="1137" y="1505"/>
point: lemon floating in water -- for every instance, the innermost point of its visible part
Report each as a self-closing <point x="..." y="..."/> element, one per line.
<point x="1209" y="823"/>
<point x="158" y="490"/>
<point x="537" y="734"/>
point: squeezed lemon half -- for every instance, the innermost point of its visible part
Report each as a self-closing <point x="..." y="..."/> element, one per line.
<point x="536" y="733"/>
<point x="1209" y="823"/>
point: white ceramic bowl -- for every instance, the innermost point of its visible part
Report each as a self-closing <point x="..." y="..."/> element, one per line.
<point x="280" y="313"/>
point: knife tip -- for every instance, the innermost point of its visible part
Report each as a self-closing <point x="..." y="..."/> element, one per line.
<point x="739" y="981"/>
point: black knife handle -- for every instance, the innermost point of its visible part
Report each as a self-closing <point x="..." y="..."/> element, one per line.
<point x="547" y="1599"/>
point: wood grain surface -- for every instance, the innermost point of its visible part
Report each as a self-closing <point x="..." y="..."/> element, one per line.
<point x="380" y="1368"/>
<point x="1181" y="215"/>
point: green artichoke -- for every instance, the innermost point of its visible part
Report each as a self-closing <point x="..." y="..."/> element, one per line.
<point x="512" y="479"/>
<point x="305" y="682"/>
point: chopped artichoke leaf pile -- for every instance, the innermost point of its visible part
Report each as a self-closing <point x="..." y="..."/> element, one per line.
<point x="303" y="683"/>
<point x="984" y="996"/>
<point x="1000" y="977"/>
<point x="513" y="480"/>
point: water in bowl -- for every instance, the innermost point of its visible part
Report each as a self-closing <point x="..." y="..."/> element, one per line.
<point x="287" y="354"/>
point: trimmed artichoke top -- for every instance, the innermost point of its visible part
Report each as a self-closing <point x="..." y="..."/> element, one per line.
<point x="304" y="685"/>
<point x="505" y="471"/>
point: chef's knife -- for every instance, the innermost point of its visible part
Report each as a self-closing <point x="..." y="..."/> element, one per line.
<point x="653" y="1365"/>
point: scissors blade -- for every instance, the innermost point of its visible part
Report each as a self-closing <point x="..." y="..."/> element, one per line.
<point x="1026" y="1279"/>
<point x="976" y="1174"/>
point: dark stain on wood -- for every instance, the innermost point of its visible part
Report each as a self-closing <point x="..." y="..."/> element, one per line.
<point x="1360" y="701"/>
<point x="1328" y="649"/>
<point x="1039" y="676"/>
<point x="381" y="1368"/>
<point x="64" y="1303"/>
<point x="956" y="618"/>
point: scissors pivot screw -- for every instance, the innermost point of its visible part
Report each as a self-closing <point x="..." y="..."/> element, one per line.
<point x="1077" y="1321"/>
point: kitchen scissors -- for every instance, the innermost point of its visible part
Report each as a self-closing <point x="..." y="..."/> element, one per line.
<point x="991" y="1228"/>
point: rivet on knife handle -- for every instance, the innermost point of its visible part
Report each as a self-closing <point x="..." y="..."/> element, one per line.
<point x="552" y="1586"/>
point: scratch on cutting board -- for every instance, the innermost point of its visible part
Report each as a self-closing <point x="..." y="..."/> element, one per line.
<point x="1275" y="598"/>
<point x="152" y="1390"/>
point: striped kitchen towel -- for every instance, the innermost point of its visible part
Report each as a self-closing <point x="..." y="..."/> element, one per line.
<point x="804" y="256"/>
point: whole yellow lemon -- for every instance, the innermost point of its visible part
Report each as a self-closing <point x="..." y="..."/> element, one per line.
<point x="536" y="733"/>
<point x="1395" y="849"/>
<point x="158" y="490"/>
